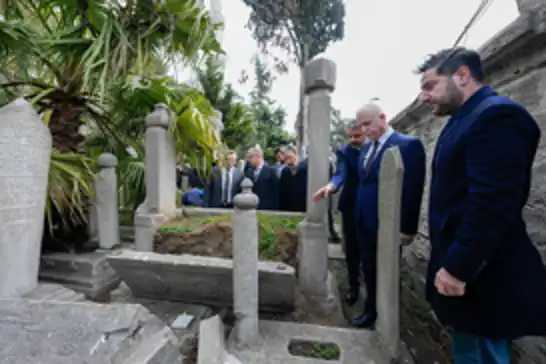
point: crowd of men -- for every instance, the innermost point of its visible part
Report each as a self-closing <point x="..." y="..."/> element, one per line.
<point x="486" y="280"/>
<point x="281" y="186"/>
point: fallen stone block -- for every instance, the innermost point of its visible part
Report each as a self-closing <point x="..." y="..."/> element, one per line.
<point x="203" y="280"/>
<point x="54" y="332"/>
<point x="88" y="273"/>
<point x="212" y="348"/>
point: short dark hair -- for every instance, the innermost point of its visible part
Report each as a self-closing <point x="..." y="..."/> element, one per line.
<point x="352" y="124"/>
<point x="448" y="61"/>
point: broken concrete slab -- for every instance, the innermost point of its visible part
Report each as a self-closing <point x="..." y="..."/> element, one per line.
<point x="83" y="333"/>
<point x="356" y="346"/>
<point x="167" y="312"/>
<point x="203" y="280"/>
<point x="88" y="273"/>
<point x="54" y="292"/>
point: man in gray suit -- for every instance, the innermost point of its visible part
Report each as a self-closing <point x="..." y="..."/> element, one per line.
<point x="224" y="184"/>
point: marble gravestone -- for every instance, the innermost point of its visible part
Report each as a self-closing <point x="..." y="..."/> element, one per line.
<point x="25" y="151"/>
<point x="53" y="332"/>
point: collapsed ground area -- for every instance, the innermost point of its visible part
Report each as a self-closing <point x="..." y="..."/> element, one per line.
<point x="212" y="236"/>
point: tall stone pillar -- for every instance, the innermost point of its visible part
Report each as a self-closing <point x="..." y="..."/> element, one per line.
<point x="527" y="6"/>
<point x="106" y="202"/>
<point x="320" y="75"/>
<point x="391" y="178"/>
<point x="160" y="203"/>
<point x="245" y="265"/>
<point x="160" y="163"/>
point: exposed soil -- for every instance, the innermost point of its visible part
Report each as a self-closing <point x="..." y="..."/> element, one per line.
<point x="215" y="239"/>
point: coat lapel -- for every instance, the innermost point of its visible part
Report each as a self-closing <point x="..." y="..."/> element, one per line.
<point x="376" y="163"/>
<point x="361" y="159"/>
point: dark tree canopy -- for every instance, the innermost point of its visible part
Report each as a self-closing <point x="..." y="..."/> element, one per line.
<point x="302" y="28"/>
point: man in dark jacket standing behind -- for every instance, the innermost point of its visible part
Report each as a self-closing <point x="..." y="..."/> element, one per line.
<point x="264" y="177"/>
<point x="293" y="182"/>
<point x="485" y="279"/>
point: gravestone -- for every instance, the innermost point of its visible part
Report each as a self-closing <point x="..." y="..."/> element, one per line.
<point x="391" y="176"/>
<point x="245" y="265"/>
<point x="25" y="152"/>
<point x="160" y="203"/>
<point x="106" y="200"/>
<point x="314" y="278"/>
<point x="54" y="332"/>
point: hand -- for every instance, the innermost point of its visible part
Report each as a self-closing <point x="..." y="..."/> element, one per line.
<point x="323" y="192"/>
<point x="406" y="239"/>
<point x="447" y="285"/>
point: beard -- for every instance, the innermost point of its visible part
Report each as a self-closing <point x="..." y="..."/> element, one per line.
<point x="450" y="103"/>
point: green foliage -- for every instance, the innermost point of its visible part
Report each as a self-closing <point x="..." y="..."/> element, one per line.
<point x="239" y="128"/>
<point x="101" y="64"/>
<point x="270" y="118"/>
<point x="338" y="129"/>
<point x="302" y="28"/>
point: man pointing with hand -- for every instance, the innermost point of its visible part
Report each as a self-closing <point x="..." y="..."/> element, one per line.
<point x="381" y="136"/>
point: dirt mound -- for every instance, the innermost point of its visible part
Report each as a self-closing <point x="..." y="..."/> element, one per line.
<point x="215" y="239"/>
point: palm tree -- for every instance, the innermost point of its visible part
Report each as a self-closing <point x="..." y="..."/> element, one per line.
<point x="78" y="61"/>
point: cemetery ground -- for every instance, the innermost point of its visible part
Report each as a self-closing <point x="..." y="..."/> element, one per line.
<point x="212" y="236"/>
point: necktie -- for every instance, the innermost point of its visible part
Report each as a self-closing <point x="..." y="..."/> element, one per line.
<point x="371" y="157"/>
<point x="225" y="194"/>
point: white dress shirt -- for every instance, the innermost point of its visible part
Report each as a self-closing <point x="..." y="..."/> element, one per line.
<point x="382" y="140"/>
<point x="229" y="175"/>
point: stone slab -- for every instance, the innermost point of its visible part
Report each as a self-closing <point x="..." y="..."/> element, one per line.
<point x="212" y="348"/>
<point x="202" y="211"/>
<point x="25" y="149"/>
<point x="88" y="273"/>
<point x="356" y="346"/>
<point x="202" y="280"/>
<point x="83" y="333"/>
<point x="335" y="251"/>
<point x="54" y="292"/>
<point x="167" y="312"/>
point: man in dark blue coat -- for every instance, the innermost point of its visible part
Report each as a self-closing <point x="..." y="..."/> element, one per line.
<point x="346" y="176"/>
<point x="381" y="137"/>
<point x="485" y="279"/>
<point x="264" y="177"/>
<point x="293" y="182"/>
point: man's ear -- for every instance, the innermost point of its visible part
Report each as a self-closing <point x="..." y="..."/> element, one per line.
<point x="462" y="76"/>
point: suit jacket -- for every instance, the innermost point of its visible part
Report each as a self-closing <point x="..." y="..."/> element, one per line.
<point x="414" y="159"/>
<point x="293" y="189"/>
<point x="266" y="187"/>
<point x="346" y="176"/>
<point x="481" y="175"/>
<point x="279" y="167"/>
<point x="214" y="188"/>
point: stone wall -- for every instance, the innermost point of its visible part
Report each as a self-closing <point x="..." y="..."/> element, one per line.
<point x="515" y="61"/>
